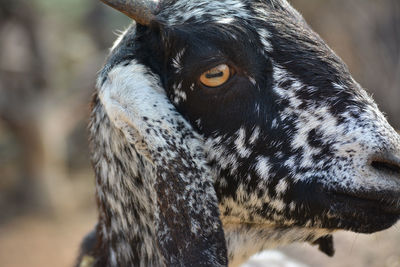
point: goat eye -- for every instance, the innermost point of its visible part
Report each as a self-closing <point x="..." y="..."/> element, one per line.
<point x="216" y="76"/>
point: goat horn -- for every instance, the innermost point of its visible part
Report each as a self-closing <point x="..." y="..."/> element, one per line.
<point x="141" y="11"/>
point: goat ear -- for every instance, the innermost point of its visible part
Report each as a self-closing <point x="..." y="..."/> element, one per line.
<point x="188" y="225"/>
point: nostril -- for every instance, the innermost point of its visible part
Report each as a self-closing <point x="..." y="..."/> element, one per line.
<point x="388" y="163"/>
<point x="385" y="166"/>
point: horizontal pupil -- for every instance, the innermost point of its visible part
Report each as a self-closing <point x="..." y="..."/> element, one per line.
<point x="214" y="75"/>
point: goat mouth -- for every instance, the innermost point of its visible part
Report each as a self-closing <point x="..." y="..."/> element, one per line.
<point x="365" y="212"/>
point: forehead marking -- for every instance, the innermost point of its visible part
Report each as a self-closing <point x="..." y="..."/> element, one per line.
<point x="264" y="37"/>
<point x="177" y="61"/>
<point x="223" y="12"/>
<point x="226" y="21"/>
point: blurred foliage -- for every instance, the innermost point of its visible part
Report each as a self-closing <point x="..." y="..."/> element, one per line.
<point x="67" y="11"/>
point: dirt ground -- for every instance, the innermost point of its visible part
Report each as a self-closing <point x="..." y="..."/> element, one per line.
<point x="39" y="241"/>
<point x="43" y="242"/>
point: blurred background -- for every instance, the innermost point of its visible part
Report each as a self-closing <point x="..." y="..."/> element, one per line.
<point x="50" y="51"/>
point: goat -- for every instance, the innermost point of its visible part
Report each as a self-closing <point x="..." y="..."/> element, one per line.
<point x="223" y="128"/>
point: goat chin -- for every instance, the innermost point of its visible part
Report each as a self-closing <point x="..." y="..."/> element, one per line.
<point x="244" y="240"/>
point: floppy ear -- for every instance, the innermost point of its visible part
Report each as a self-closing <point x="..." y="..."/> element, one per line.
<point x="189" y="230"/>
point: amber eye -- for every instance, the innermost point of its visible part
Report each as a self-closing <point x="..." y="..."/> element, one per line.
<point x="216" y="76"/>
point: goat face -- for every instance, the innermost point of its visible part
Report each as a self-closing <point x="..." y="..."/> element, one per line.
<point x="292" y="138"/>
